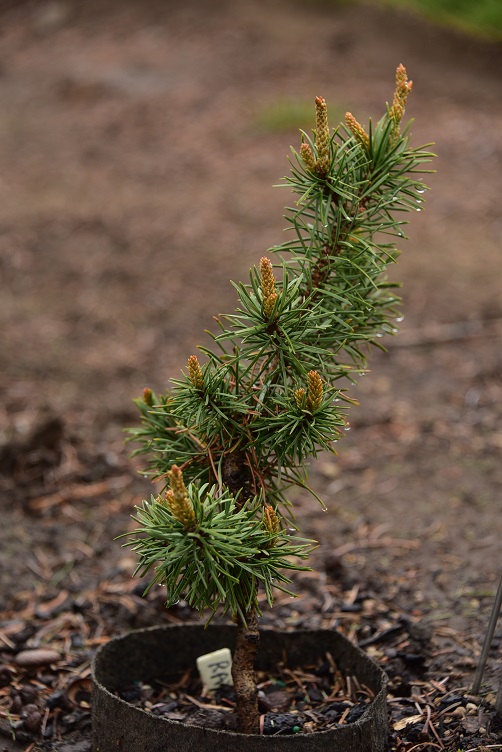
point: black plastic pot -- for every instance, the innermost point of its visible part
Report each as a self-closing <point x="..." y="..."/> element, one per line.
<point x="148" y="653"/>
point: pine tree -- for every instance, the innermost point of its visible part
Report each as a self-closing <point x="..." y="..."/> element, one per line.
<point x="232" y="434"/>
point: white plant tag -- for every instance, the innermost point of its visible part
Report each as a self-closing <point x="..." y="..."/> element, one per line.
<point x="215" y="668"/>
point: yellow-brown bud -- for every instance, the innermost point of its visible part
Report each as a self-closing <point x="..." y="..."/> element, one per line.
<point x="176" y="499"/>
<point x="267" y="277"/>
<point x="357" y="130"/>
<point x="307" y="155"/>
<point x="401" y="92"/>
<point x="322" y="136"/>
<point x="176" y="481"/>
<point x="269" y="303"/>
<point x="401" y="77"/>
<point x="300" y="398"/>
<point x="322" y="128"/>
<point x="271" y="521"/>
<point x="195" y="372"/>
<point x="314" y="392"/>
<point x="268" y="291"/>
<point x="403" y="86"/>
<point x="322" y="167"/>
<point x="148" y="396"/>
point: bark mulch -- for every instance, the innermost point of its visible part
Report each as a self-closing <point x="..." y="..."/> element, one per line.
<point x="50" y="631"/>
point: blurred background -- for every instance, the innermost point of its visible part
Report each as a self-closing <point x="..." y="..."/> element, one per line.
<point x="139" y="143"/>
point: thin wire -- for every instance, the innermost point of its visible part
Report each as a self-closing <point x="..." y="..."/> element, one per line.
<point x="486" y="646"/>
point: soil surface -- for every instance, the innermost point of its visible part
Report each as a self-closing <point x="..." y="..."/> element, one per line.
<point x="290" y="702"/>
<point x="139" y="143"/>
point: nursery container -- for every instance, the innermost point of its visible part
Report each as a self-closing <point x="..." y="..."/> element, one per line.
<point x="145" y="654"/>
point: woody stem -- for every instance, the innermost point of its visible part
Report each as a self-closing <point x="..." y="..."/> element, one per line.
<point x="246" y="692"/>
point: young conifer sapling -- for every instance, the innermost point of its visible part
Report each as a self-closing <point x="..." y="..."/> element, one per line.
<point x="232" y="434"/>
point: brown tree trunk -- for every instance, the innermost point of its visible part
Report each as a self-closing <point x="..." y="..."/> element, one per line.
<point x="248" y="638"/>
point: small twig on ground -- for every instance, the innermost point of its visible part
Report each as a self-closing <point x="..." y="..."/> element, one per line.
<point x="348" y="548"/>
<point x="78" y="491"/>
<point x="205" y="704"/>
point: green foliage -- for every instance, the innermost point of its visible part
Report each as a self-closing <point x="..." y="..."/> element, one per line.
<point x="478" y="17"/>
<point x="222" y="560"/>
<point x="245" y="423"/>
<point x="295" y="430"/>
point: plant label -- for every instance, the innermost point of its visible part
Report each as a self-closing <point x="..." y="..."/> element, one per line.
<point x="215" y="668"/>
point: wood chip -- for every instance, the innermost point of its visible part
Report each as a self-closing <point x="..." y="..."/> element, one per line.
<point x="400" y="725"/>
